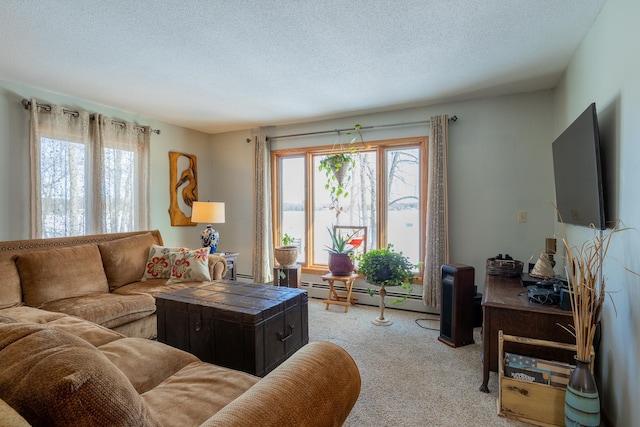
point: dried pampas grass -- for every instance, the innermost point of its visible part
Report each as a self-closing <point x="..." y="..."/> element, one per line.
<point x="587" y="285"/>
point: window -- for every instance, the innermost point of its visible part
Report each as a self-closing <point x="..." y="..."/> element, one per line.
<point x="385" y="195"/>
<point x="90" y="173"/>
<point x="66" y="199"/>
<point x="63" y="190"/>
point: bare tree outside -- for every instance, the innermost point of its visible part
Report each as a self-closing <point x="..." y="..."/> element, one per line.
<point x="65" y="189"/>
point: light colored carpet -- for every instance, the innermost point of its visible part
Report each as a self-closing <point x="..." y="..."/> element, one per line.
<point x="409" y="378"/>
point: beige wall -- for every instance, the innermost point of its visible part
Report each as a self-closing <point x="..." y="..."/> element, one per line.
<point x="606" y="70"/>
<point x="14" y="162"/>
<point x="499" y="163"/>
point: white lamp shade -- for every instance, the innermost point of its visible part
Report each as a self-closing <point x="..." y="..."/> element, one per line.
<point x="208" y="212"/>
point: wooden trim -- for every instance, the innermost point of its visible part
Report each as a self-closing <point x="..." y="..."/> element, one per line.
<point x="380" y="147"/>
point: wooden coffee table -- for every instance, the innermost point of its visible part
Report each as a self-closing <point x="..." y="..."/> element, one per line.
<point x="244" y="326"/>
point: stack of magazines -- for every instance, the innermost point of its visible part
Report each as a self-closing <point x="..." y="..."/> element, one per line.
<point x="536" y="370"/>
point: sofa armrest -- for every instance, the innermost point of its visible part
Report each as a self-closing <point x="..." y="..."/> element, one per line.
<point x="9" y="416"/>
<point x="317" y="386"/>
<point x="217" y="266"/>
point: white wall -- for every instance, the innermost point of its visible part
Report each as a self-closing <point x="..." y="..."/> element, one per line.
<point x="499" y="163"/>
<point x="14" y="162"/>
<point x="606" y="70"/>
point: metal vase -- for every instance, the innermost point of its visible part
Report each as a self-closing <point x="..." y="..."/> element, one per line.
<point x="582" y="402"/>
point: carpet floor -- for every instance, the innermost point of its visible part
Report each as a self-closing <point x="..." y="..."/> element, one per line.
<point x="409" y="378"/>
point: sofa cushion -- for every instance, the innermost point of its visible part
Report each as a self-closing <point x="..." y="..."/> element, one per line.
<point x="124" y="259"/>
<point x="54" y="378"/>
<point x="56" y="274"/>
<point x="158" y="264"/>
<point x="10" y="292"/>
<point x="127" y="353"/>
<point x="190" y="266"/>
<point x="108" y="310"/>
<point x="195" y="393"/>
<point x="155" y="287"/>
<point x="92" y="333"/>
<point x="27" y="314"/>
<point x="6" y="319"/>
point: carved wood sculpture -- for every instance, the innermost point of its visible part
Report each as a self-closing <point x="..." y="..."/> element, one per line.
<point x="186" y="184"/>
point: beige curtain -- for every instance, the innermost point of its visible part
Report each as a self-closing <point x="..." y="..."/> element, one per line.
<point x="121" y="175"/>
<point x="89" y="173"/>
<point x="262" y="236"/>
<point x="437" y="227"/>
<point x="65" y="190"/>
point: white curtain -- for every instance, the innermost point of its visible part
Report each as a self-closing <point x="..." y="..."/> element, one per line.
<point x="262" y="235"/>
<point x="437" y="227"/>
<point x="122" y="169"/>
<point x="89" y="174"/>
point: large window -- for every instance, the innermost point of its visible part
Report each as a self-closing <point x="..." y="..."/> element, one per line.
<point x="66" y="180"/>
<point x="386" y="194"/>
<point x="90" y="173"/>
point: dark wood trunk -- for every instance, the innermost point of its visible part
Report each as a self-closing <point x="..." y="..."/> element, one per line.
<point x="248" y="327"/>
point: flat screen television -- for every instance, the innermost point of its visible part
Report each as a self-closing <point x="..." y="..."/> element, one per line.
<point x="578" y="172"/>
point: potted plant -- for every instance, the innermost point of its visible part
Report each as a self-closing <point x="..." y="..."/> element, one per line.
<point x="286" y="254"/>
<point x="384" y="267"/>
<point x="340" y="262"/>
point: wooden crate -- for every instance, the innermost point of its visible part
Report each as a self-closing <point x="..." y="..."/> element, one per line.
<point x="534" y="403"/>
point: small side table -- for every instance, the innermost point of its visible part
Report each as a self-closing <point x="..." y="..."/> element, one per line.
<point x="334" y="297"/>
<point x="232" y="267"/>
<point x="292" y="276"/>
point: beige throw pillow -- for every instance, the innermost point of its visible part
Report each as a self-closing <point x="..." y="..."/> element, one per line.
<point x="125" y="259"/>
<point x="56" y="274"/>
<point x="190" y="266"/>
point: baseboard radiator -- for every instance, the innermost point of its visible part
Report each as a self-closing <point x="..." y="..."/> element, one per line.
<point x="320" y="290"/>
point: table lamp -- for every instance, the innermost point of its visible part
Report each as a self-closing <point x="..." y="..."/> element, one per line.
<point x="210" y="213"/>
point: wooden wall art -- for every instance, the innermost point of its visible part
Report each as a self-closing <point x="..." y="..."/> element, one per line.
<point x="183" y="187"/>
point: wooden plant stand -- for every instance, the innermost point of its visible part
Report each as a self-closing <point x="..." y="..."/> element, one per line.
<point x="334" y="297"/>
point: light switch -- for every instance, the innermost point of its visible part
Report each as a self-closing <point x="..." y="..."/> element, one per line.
<point x="522" y="216"/>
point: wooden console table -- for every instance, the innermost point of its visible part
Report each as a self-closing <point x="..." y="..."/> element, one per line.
<point x="232" y="264"/>
<point x="506" y="307"/>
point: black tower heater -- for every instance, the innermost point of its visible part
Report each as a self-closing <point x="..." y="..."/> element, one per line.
<point x="456" y="308"/>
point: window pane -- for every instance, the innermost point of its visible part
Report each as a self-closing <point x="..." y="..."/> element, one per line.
<point x="403" y="201"/>
<point x="358" y="209"/>
<point x="62" y="172"/>
<point x="119" y="190"/>
<point x="292" y="195"/>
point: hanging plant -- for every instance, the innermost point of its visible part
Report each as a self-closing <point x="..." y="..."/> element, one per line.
<point x="337" y="168"/>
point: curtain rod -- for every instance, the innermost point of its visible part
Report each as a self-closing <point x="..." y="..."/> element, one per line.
<point x="47" y="107"/>
<point x="338" y="131"/>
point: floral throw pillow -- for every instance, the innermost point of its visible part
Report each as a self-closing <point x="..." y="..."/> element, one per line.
<point x="158" y="264"/>
<point x="190" y="266"/>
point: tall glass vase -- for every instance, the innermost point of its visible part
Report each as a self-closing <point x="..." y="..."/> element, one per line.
<point x="582" y="402"/>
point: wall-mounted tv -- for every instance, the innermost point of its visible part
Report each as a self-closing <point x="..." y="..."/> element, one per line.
<point x="578" y="172"/>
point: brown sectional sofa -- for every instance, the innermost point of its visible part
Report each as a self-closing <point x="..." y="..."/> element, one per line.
<point x="66" y="371"/>
<point x="95" y="277"/>
<point x="79" y="356"/>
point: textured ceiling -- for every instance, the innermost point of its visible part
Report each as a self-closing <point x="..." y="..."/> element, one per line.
<point x="218" y="66"/>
